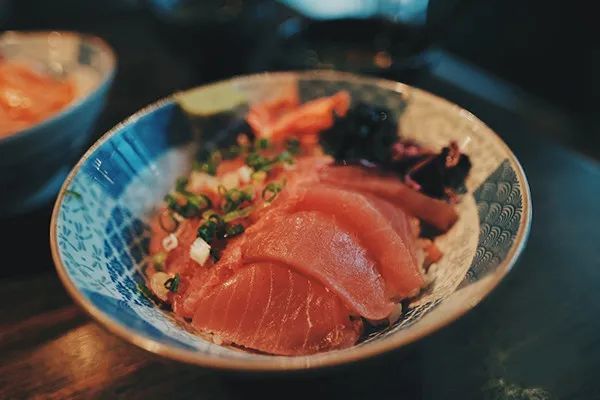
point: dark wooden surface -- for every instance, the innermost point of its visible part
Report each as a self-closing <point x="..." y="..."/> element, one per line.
<point x="536" y="337"/>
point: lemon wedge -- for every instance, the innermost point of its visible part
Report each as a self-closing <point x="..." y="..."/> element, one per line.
<point x="211" y="99"/>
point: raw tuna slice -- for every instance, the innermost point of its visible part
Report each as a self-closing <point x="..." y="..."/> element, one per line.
<point x="271" y="308"/>
<point x="204" y="279"/>
<point x="315" y="245"/>
<point x="402" y="223"/>
<point x="433" y="211"/>
<point x="393" y="249"/>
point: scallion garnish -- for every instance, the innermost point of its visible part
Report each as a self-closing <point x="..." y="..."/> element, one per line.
<point x="181" y="184"/>
<point x="168" y="222"/>
<point x="206" y="167"/>
<point x="241" y="213"/>
<point x="214" y="227"/>
<point x="271" y="191"/>
<point x="262" y="144"/>
<point x="173" y="283"/>
<point x="258" y="162"/>
<point x="293" y="146"/>
<point x="186" y="204"/>
<point x="215" y="254"/>
<point x="234" y="230"/>
<point x="285" y="157"/>
<point x="158" y="260"/>
<point x="234" y="198"/>
<point x="208" y="164"/>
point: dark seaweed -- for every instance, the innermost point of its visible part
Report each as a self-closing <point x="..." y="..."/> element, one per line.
<point x="365" y="133"/>
<point x="446" y="170"/>
<point x="369" y="135"/>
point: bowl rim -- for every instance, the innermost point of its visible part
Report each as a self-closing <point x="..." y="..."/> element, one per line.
<point x="105" y="78"/>
<point x="328" y="359"/>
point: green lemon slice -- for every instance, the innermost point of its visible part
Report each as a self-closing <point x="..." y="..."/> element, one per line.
<point x="211" y="99"/>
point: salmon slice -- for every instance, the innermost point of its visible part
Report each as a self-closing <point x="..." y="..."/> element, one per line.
<point x="205" y="279"/>
<point x="392" y="247"/>
<point x="315" y="245"/>
<point x="402" y="223"/>
<point x="309" y="118"/>
<point x="433" y="211"/>
<point x="266" y="113"/>
<point x="271" y="308"/>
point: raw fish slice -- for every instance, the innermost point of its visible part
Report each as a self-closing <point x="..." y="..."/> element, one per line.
<point x="314" y="244"/>
<point x="393" y="247"/>
<point x="402" y="223"/>
<point x="274" y="309"/>
<point x="304" y="172"/>
<point x="309" y="118"/>
<point x="205" y="279"/>
<point x="433" y="211"/>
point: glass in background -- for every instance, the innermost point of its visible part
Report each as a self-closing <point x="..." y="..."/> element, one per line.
<point x="229" y="37"/>
<point x="387" y="38"/>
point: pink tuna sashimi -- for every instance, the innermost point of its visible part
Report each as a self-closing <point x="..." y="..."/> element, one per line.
<point x="392" y="246"/>
<point x="314" y="244"/>
<point x="271" y="308"/>
<point x="433" y="211"/>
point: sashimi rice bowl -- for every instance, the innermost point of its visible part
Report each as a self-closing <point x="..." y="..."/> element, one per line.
<point x="289" y="220"/>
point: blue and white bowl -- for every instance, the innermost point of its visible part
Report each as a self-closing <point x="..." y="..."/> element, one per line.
<point x="99" y="232"/>
<point x="35" y="161"/>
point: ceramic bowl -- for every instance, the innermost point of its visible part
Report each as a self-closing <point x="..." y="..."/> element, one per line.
<point x="99" y="231"/>
<point x="35" y="161"/>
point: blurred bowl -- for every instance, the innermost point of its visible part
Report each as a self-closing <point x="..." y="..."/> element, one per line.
<point x="35" y="161"/>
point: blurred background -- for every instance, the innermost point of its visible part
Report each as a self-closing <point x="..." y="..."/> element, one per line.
<point x="543" y="50"/>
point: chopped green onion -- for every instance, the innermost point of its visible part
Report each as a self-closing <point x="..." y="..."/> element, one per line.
<point x="207" y="231"/>
<point x="208" y="163"/>
<point x="271" y="191"/>
<point x="234" y="198"/>
<point x="258" y="162"/>
<point x="158" y="260"/>
<point x="214" y="227"/>
<point x="200" y="201"/>
<point x="241" y="213"/>
<point x="262" y="144"/>
<point x="259" y="176"/>
<point x="181" y="184"/>
<point x="285" y="157"/>
<point x="168" y="222"/>
<point x="173" y="283"/>
<point x="293" y="146"/>
<point x="193" y="205"/>
<point x="234" y="230"/>
<point x="215" y="254"/>
<point x="206" y="167"/>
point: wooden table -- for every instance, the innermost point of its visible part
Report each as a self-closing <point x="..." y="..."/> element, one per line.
<point x="536" y="337"/>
